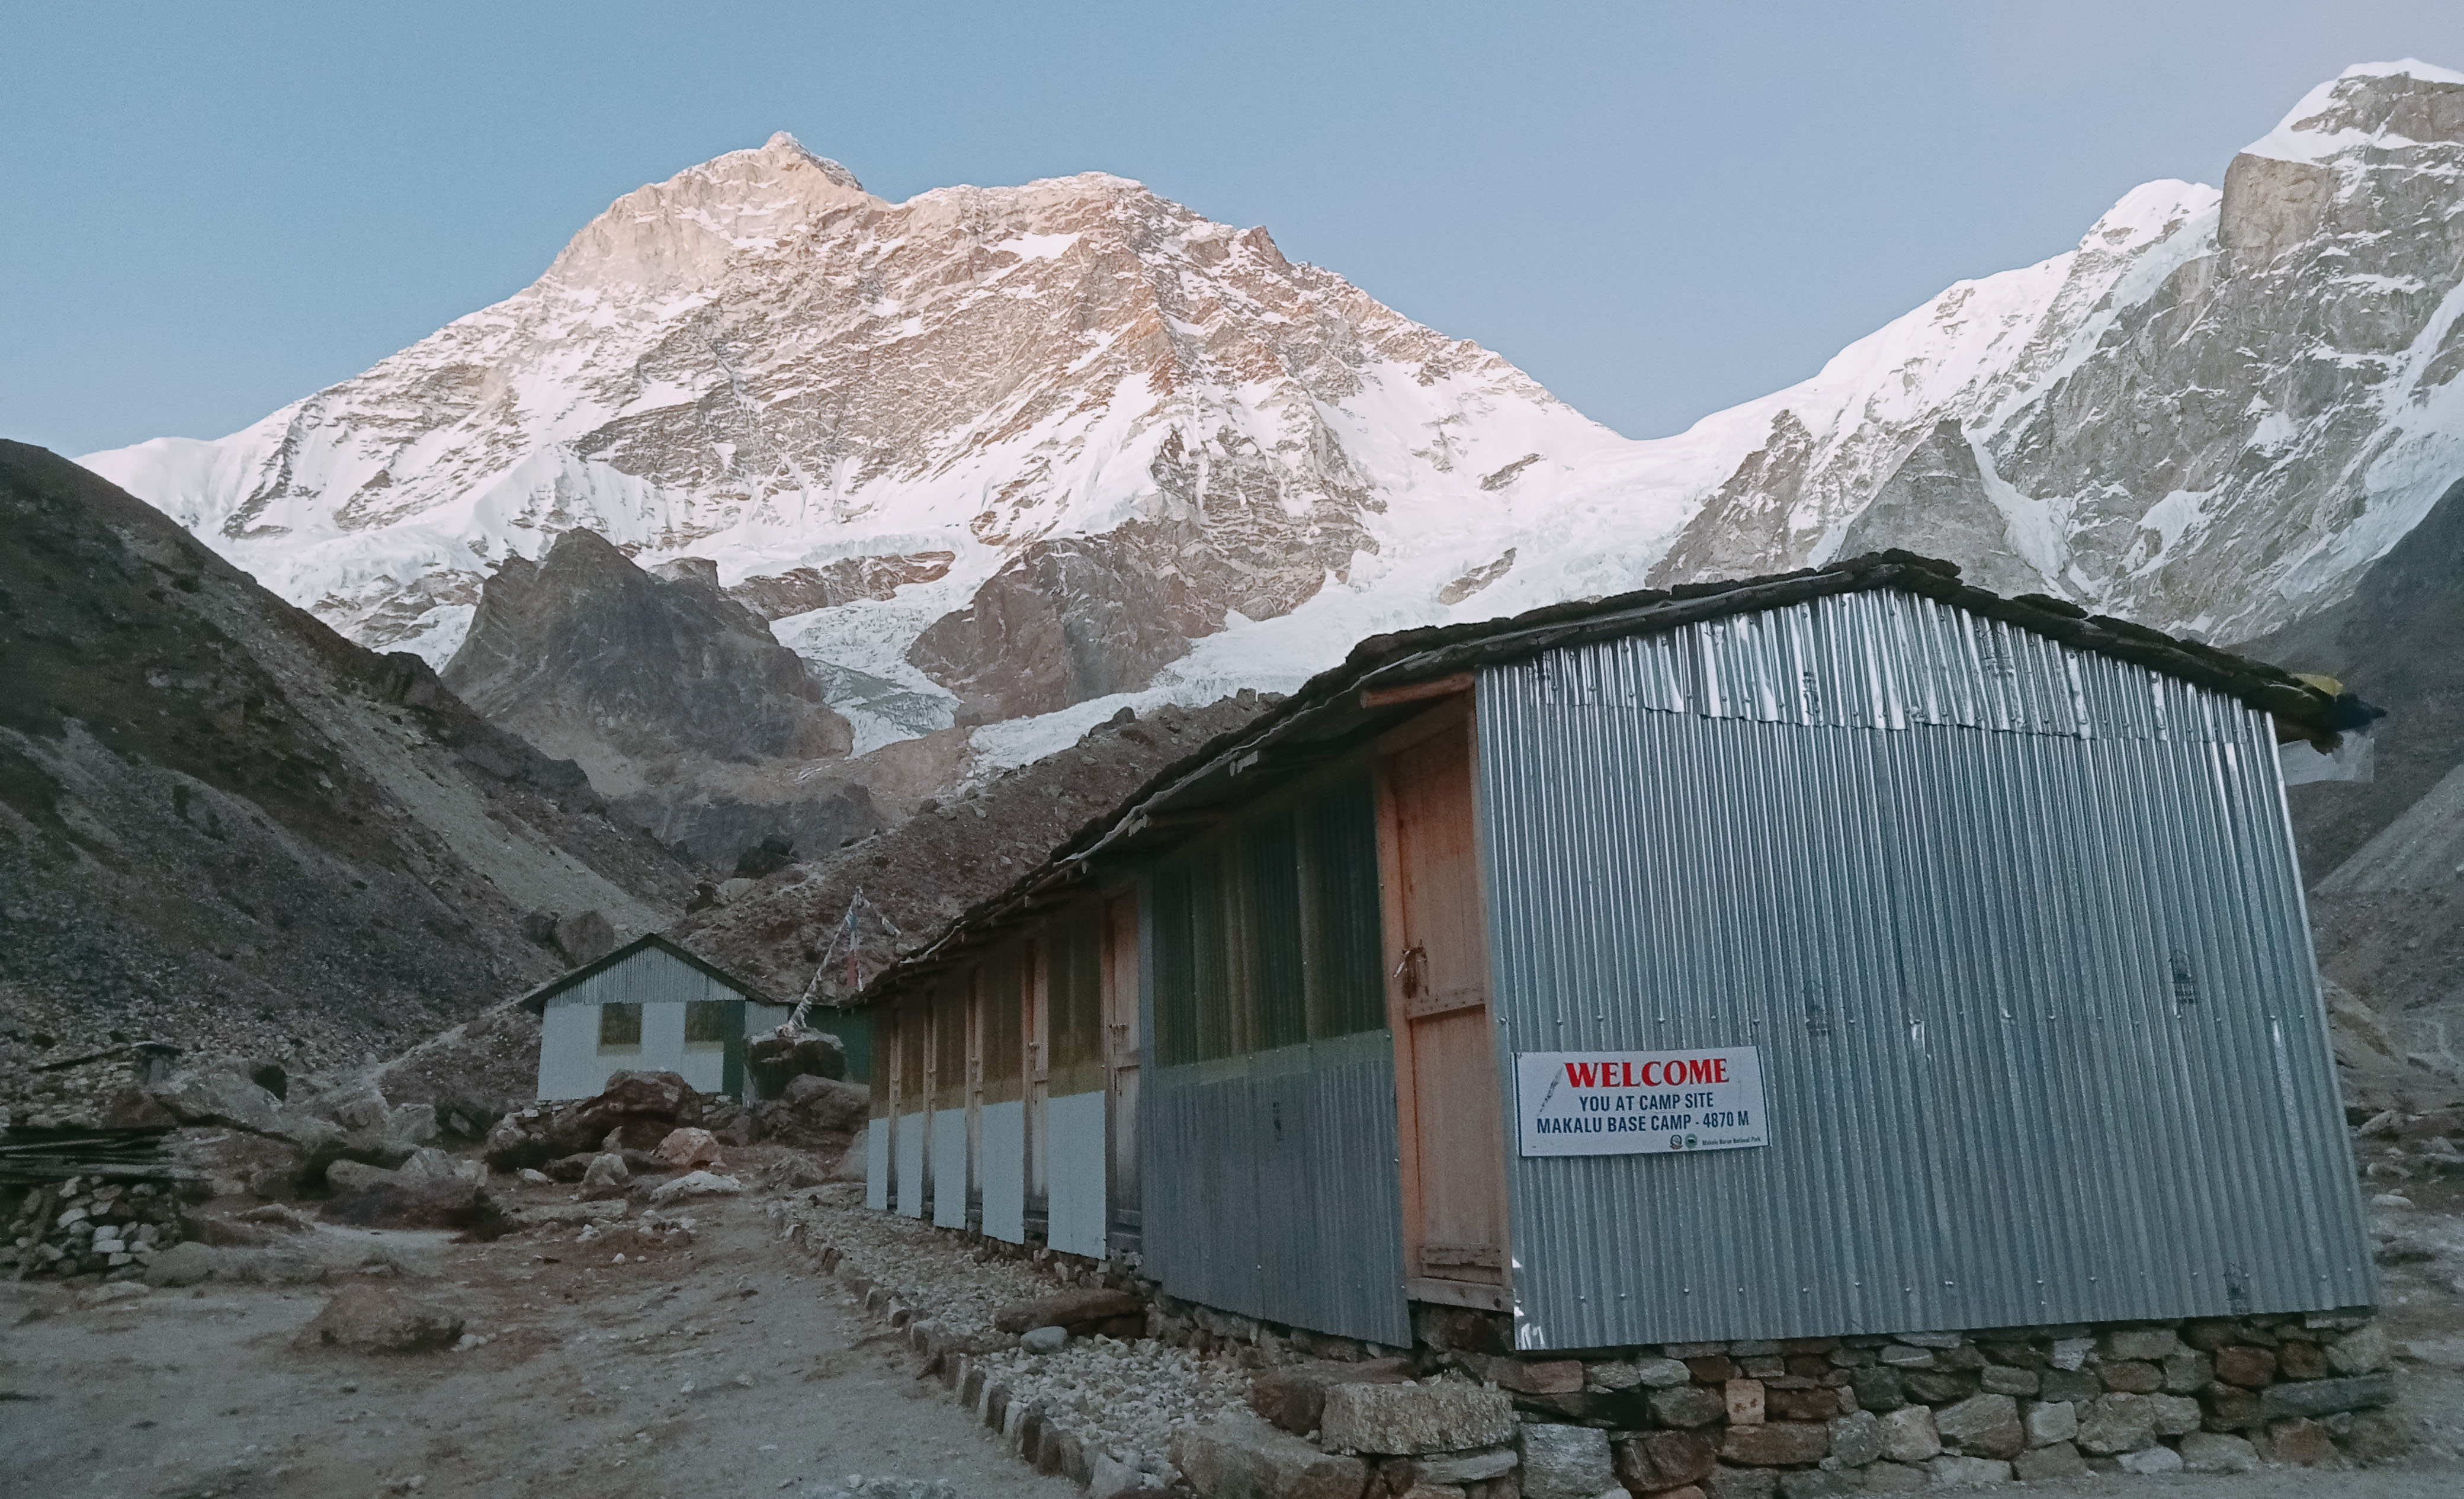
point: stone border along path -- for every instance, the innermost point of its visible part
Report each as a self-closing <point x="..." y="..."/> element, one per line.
<point x="1105" y="1421"/>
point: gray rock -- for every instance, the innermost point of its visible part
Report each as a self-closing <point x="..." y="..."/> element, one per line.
<point x="2214" y="1452"/>
<point x="2362" y="1351"/>
<point x="2070" y="1353"/>
<point x="185" y="1263"/>
<point x="2003" y="1379"/>
<point x="2049" y="1422"/>
<point x="1894" y="1478"/>
<point x="1856" y="1438"/>
<point x="411" y="1124"/>
<point x="2151" y="1460"/>
<point x="1110" y="1478"/>
<point x="1044" y="1339"/>
<point x="2173" y="1415"/>
<point x="2326" y="1396"/>
<point x="2059" y="1460"/>
<point x="2150" y="1344"/>
<point x="426" y="1162"/>
<point x="1457" y="1468"/>
<point x="381" y="1319"/>
<point x="2116" y="1423"/>
<point x="1740" y="1483"/>
<point x="1967" y="1472"/>
<point x="1982" y="1425"/>
<point x="1564" y="1462"/>
<point x="1687" y="1406"/>
<point x="347" y="1176"/>
<point x="1814" y="1483"/>
<point x="1908" y="1435"/>
<point x="1660" y="1374"/>
<point x="1412" y="1419"/>
<point x="1243" y="1457"/>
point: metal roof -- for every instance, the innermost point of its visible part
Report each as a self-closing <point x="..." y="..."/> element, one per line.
<point x="536" y="1001"/>
<point x="1329" y="716"/>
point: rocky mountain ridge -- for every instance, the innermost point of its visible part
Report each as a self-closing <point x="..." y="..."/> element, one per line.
<point x="223" y="826"/>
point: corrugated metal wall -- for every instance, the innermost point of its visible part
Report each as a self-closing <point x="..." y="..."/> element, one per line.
<point x="2020" y="934"/>
<point x="1271" y="1187"/>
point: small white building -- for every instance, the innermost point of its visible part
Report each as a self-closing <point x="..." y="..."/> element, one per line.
<point x="648" y="1006"/>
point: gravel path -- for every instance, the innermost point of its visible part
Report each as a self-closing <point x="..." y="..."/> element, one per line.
<point x="617" y="1381"/>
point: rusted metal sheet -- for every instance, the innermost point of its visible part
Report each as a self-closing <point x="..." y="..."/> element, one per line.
<point x="2017" y="932"/>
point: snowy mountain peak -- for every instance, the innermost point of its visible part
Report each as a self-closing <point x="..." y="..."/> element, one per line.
<point x="1014" y="455"/>
<point x="681" y="232"/>
<point x="2387" y="105"/>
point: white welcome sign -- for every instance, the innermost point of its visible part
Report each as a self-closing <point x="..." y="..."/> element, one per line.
<point x="1618" y="1102"/>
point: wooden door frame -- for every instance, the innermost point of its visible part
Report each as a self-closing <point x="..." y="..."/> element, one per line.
<point x="1453" y="712"/>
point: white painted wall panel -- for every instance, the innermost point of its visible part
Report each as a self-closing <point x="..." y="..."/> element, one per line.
<point x="1004" y="1169"/>
<point x="876" y="1165"/>
<point x="1075" y="1201"/>
<point x="950" y="1168"/>
<point x="910" y="1164"/>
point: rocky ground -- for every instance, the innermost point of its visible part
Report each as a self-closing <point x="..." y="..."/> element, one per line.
<point x="695" y="1347"/>
<point x="597" y="1360"/>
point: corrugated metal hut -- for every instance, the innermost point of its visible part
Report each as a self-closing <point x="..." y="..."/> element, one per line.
<point x="1844" y="952"/>
<point x="647" y="1006"/>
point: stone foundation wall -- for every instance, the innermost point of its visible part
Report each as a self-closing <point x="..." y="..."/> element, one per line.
<point x="1461" y="1416"/>
<point x="1820" y="1417"/>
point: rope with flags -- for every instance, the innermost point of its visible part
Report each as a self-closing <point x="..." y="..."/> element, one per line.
<point x="850" y="932"/>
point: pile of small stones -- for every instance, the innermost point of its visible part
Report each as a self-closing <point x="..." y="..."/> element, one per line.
<point x="964" y="1284"/>
<point x="88" y="1226"/>
<point x="1124" y="1398"/>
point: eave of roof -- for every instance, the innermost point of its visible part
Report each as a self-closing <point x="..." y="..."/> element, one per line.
<point x="536" y="1001"/>
<point x="1330" y="703"/>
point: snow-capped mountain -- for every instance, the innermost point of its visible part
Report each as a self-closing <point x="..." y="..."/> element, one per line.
<point x="1018" y="452"/>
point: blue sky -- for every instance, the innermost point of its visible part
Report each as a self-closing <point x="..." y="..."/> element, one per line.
<point x="1658" y="211"/>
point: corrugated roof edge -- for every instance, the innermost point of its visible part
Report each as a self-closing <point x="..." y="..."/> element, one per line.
<point x="1441" y="649"/>
<point x="536" y="1001"/>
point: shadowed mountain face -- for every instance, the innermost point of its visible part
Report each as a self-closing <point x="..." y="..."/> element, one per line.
<point x="2397" y="641"/>
<point x="222" y="824"/>
<point x="674" y="698"/>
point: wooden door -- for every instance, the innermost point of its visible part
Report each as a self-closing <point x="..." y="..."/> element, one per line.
<point x="1120" y="950"/>
<point x="1453" y="1123"/>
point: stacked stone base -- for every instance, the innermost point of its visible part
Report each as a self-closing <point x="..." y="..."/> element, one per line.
<point x="1819" y="1417"/>
<point x="1459" y="1416"/>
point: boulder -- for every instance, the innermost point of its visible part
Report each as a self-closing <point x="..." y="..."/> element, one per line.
<point x="421" y="1202"/>
<point x="1564" y="1462"/>
<point x="2117" y="1423"/>
<point x="777" y="1060"/>
<point x="1651" y="1462"/>
<point x="1454" y="1469"/>
<point x="2314" y="1397"/>
<point x="1246" y="1458"/>
<point x="345" y="1175"/>
<point x="854" y="1164"/>
<point x="2056" y="1460"/>
<point x="1292" y="1396"/>
<point x="1908" y="1435"/>
<point x="381" y="1319"/>
<point x="183" y="1263"/>
<point x="696" y="1183"/>
<point x="1857" y="1438"/>
<point x="829" y="1103"/>
<point x="2217" y="1452"/>
<point x="516" y="1143"/>
<point x="1687" y="1406"/>
<point x="1778" y="1444"/>
<point x="686" y="1149"/>
<point x="1983" y="1426"/>
<point x="586" y="938"/>
<point x="1411" y="1420"/>
<point x="1967" y="1472"/>
<point x="606" y="1178"/>
<point x="1084" y="1311"/>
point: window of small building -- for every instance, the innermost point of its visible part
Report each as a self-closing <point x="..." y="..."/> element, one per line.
<point x="705" y="1023"/>
<point x="620" y="1027"/>
<point x="1268" y="935"/>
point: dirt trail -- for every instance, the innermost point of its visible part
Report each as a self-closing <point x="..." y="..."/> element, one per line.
<point x="580" y="1389"/>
